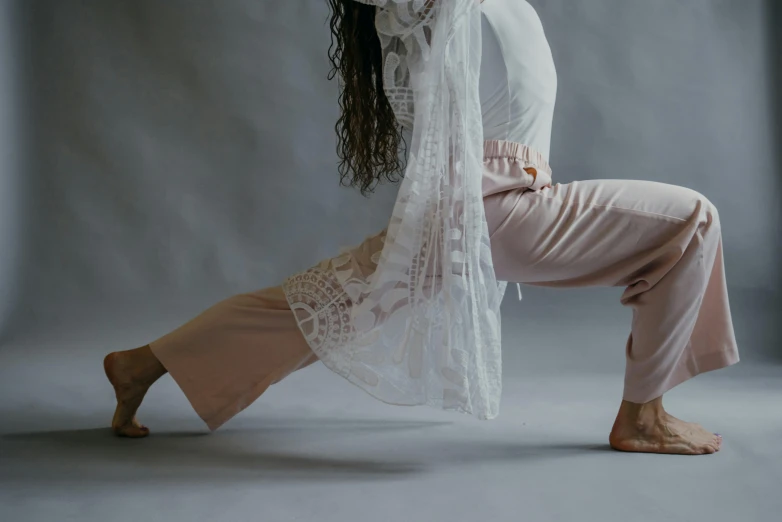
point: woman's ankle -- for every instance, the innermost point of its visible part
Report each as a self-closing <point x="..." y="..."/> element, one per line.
<point x="144" y="365"/>
<point x="640" y="415"/>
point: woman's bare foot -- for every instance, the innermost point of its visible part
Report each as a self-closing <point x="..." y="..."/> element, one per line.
<point x="131" y="373"/>
<point x="648" y="428"/>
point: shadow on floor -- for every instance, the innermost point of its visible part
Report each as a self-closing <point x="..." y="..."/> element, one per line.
<point x="92" y="455"/>
<point x="294" y="450"/>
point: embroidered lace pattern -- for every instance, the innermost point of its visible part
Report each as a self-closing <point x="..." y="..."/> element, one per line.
<point x="412" y="315"/>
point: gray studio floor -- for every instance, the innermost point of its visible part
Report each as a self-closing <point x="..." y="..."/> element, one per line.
<point x="317" y="449"/>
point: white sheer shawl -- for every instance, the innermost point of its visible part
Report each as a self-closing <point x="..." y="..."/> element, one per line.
<point x="412" y="315"/>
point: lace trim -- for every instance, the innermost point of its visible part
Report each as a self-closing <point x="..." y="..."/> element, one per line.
<point x="323" y="313"/>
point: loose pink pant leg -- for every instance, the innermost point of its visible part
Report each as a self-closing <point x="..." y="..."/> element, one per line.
<point x="227" y="356"/>
<point x="661" y="242"/>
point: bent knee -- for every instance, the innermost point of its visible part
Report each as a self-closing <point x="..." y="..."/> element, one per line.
<point x="700" y="206"/>
<point x="709" y="211"/>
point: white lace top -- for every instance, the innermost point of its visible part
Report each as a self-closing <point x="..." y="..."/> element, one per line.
<point x="412" y="315"/>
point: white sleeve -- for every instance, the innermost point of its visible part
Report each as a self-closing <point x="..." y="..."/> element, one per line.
<point x="421" y="325"/>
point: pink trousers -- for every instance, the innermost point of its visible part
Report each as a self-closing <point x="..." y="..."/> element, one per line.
<point x="662" y="243"/>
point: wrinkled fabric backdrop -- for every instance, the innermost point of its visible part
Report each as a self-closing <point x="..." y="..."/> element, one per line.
<point x="158" y="156"/>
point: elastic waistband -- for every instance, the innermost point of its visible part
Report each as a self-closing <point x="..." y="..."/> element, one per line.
<point x="515" y="151"/>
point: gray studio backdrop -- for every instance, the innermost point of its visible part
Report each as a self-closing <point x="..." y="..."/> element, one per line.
<point x="181" y="151"/>
<point x="12" y="154"/>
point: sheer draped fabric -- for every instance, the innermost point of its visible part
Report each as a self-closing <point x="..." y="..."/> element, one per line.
<point x="412" y="315"/>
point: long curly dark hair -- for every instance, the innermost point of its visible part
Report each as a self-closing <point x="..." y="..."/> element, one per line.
<point x="369" y="139"/>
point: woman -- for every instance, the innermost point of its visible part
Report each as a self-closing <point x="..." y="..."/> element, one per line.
<point x="412" y="314"/>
